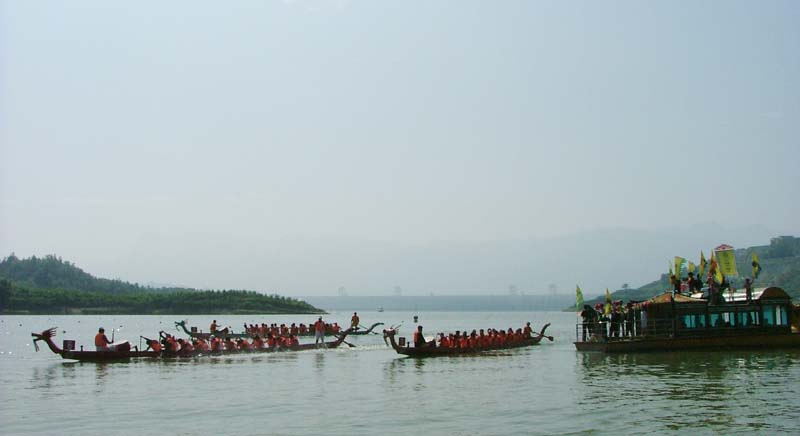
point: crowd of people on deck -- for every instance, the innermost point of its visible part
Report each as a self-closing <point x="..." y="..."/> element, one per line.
<point x="713" y="290"/>
<point x="622" y="320"/>
<point x="476" y="339"/>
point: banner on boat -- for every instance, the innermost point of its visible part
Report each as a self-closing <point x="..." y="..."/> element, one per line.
<point x="726" y="260"/>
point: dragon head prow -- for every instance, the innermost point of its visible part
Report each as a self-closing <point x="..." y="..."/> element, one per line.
<point x="43" y="336"/>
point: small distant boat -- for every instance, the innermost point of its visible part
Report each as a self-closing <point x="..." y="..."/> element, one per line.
<point x="670" y="322"/>
<point x="380" y="309"/>
<point x="429" y="351"/>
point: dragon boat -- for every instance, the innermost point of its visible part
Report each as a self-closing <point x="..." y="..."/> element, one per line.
<point x="670" y="322"/>
<point x="223" y="333"/>
<point x="124" y="351"/>
<point x="432" y="351"/>
<point x="193" y="332"/>
<point x="366" y="331"/>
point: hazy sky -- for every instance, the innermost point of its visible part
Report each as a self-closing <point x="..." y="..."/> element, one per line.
<point x="140" y="138"/>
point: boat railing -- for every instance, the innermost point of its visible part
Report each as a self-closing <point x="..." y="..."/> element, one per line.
<point x="625" y="330"/>
<point x="662" y="328"/>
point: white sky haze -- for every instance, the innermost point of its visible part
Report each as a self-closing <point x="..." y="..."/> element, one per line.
<point x="260" y="144"/>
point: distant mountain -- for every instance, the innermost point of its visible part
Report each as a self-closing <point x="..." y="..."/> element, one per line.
<point x="780" y="263"/>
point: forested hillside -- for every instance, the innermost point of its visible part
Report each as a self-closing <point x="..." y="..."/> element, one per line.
<point x="51" y="272"/>
<point x="51" y="285"/>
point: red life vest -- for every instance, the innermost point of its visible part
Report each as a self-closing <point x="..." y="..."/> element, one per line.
<point x="100" y="340"/>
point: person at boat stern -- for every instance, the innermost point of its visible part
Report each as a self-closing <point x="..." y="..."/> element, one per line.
<point x="101" y="341"/>
<point x="355" y="321"/>
<point x="319" y="331"/>
<point x="419" y="339"/>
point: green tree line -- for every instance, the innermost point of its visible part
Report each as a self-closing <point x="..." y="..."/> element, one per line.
<point x="50" y="285"/>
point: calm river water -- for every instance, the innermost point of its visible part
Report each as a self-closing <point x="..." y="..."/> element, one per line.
<point x="370" y="390"/>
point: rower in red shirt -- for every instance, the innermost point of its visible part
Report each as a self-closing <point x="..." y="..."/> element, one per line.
<point x="526" y="332"/>
<point x="101" y="341"/>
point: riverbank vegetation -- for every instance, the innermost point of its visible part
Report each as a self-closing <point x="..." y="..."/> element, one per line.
<point x="50" y="285"/>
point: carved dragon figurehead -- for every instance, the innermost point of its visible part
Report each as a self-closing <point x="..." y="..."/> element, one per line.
<point x="389" y="333"/>
<point x="180" y="325"/>
<point x="46" y="336"/>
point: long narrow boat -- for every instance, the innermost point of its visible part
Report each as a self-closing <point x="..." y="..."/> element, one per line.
<point x="367" y="331"/>
<point x="193" y="333"/>
<point x="670" y="322"/>
<point x="430" y="351"/>
<point x="126" y="352"/>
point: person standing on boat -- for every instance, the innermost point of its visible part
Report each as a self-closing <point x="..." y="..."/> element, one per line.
<point x="712" y="290"/>
<point x="694" y="283"/>
<point x="319" y="331"/>
<point x="101" y="342"/>
<point x="748" y="289"/>
<point x="354" y="321"/>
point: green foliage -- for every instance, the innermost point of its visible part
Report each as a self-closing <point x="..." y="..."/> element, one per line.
<point x="51" y="272"/>
<point x="782" y="246"/>
<point x="56" y="289"/>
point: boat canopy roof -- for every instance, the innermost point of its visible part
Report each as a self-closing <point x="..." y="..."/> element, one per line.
<point x="770" y="293"/>
<point x="667" y="297"/>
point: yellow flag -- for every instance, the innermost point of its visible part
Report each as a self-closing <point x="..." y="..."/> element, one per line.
<point x="756" y="266"/>
<point x="607" y="310"/>
<point x="692" y="267"/>
<point x="714" y="269"/>
<point x="679" y="261"/>
<point x="578" y="298"/>
<point x="726" y="260"/>
<point x="703" y="264"/>
<point x="671" y="275"/>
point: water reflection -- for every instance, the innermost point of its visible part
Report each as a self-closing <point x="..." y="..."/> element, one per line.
<point x="101" y="374"/>
<point x="396" y="367"/>
<point x="43" y="378"/>
<point x="706" y="387"/>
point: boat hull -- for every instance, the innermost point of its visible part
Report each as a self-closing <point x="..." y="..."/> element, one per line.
<point x="439" y="351"/>
<point x="432" y="351"/>
<point x="107" y="356"/>
<point x="734" y="342"/>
